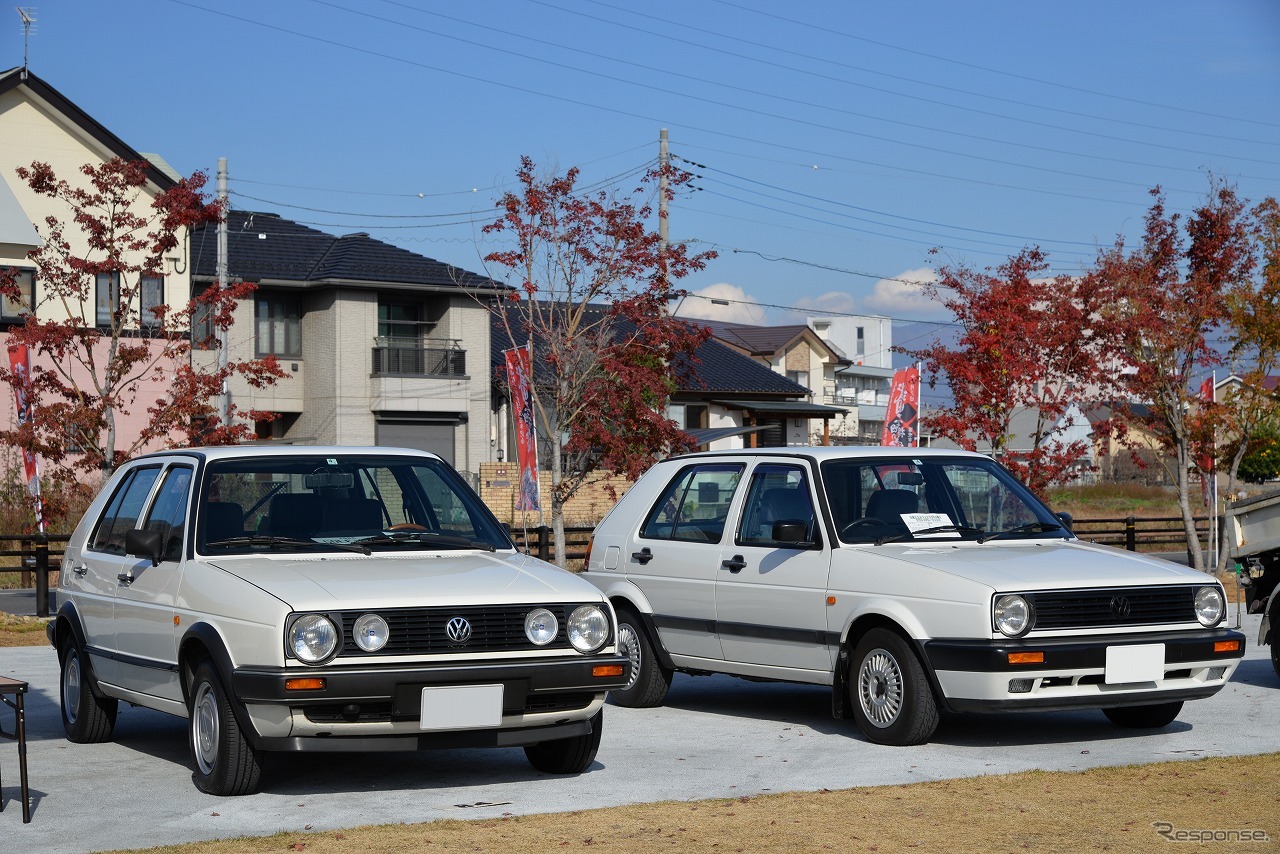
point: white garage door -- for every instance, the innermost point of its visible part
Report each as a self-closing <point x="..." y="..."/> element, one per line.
<point x="436" y="438"/>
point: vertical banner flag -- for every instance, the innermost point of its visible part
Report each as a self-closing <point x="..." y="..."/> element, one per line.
<point x="519" y="380"/>
<point x="1205" y="462"/>
<point x="20" y="365"/>
<point x="900" y="417"/>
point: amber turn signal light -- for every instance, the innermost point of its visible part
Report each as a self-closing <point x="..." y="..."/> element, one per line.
<point x="312" y="683"/>
<point x="601" y="670"/>
<point x="1226" y="646"/>
<point x="1026" y="658"/>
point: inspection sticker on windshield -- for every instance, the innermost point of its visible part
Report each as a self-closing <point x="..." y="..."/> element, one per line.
<point x="923" y="521"/>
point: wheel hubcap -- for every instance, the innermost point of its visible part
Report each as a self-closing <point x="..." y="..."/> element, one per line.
<point x="631" y="649"/>
<point x="880" y="688"/>
<point x="204" y="729"/>
<point x="71" y="687"/>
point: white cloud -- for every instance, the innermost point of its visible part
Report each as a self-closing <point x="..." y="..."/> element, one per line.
<point x="721" y="301"/>
<point x="901" y="295"/>
<point x="832" y="302"/>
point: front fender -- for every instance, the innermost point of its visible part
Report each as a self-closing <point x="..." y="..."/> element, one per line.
<point x="202" y="641"/>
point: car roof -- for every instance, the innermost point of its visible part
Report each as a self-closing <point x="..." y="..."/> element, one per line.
<point x="222" y="452"/>
<point x="831" y="452"/>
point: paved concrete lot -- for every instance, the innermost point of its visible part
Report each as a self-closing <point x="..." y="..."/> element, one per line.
<point x="717" y="737"/>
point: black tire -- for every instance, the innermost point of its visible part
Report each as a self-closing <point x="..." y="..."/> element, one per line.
<point x="571" y="755"/>
<point x="648" y="681"/>
<point x="87" y="719"/>
<point x="890" y="695"/>
<point x="1144" y="717"/>
<point x="225" y="762"/>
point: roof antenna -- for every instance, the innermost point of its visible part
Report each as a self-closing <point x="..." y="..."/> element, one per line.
<point x="28" y="15"/>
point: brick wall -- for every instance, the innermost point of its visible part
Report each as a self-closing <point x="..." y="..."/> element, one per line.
<point x="595" y="498"/>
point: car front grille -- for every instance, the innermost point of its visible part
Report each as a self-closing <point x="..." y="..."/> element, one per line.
<point x="1122" y="606"/>
<point x="424" y="631"/>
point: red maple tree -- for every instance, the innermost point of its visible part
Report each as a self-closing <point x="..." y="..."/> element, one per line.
<point x="92" y="364"/>
<point x="1030" y="345"/>
<point x="592" y="283"/>
<point x="1166" y="297"/>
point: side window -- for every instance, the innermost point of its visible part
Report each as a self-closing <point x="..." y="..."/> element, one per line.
<point x="695" y="505"/>
<point x="169" y="512"/>
<point x="778" y="493"/>
<point x="121" y="515"/>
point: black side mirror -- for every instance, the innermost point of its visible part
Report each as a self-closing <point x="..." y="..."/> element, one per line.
<point x="1066" y="520"/>
<point x="139" y="543"/>
<point x="791" y="531"/>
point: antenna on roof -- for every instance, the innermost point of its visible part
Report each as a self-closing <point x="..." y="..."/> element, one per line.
<point x="28" y="16"/>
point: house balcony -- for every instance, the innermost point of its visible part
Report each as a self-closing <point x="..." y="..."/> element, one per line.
<point x="398" y="357"/>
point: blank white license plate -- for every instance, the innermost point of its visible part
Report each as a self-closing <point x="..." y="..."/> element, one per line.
<point x="461" y="707"/>
<point x="1143" y="663"/>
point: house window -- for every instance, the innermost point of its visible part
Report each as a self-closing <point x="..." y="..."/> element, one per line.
<point x="108" y="297"/>
<point x="279" y="326"/>
<point x="152" y="290"/>
<point x="399" y="324"/>
<point x="13" y="309"/>
<point x="799" y="377"/>
<point x="860" y="349"/>
<point x="204" y="335"/>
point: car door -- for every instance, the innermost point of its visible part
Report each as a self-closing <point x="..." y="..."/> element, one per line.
<point x="101" y="564"/>
<point x="770" y="592"/>
<point x="674" y="555"/>
<point x="146" y="641"/>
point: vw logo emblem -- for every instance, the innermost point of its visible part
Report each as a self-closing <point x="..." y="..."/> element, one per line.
<point x="458" y="630"/>
<point x="1120" y="607"/>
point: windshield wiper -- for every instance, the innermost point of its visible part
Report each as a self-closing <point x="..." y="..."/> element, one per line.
<point x="426" y="538"/>
<point x="1037" y="527"/>
<point x="936" y="529"/>
<point x="287" y="543"/>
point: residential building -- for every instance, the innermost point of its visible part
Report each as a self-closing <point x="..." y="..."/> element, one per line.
<point x="382" y="346"/>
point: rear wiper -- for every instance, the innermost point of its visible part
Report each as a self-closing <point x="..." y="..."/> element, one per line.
<point x="429" y="538"/>
<point x="1037" y="527"/>
<point x="286" y="543"/>
<point x="936" y="529"/>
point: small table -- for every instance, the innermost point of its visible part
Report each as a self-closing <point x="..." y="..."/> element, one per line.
<point x="17" y="688"/>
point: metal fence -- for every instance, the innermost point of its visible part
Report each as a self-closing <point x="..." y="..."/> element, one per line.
<point x="38" y="554"/>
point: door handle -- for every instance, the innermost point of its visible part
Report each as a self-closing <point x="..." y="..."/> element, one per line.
<point x="80" y="569"/>
<point x="125" y="578"/>
<point x="734" y="564"/>
<point x="643" y="556"/>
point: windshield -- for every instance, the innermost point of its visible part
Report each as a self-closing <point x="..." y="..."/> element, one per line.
<point x="934" y="498"/>
<point x="360" y="503"/>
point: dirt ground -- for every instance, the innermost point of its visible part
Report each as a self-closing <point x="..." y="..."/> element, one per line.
<point x="1221" y="804"/>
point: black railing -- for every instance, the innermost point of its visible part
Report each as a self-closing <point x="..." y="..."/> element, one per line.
<point x="540" y="543"/>
<point x="1132" y="532"/>
<point x="40" y="554"/>
<point x="418" y="361"/>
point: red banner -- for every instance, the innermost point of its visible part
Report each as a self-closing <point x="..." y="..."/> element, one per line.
<point x="20" y="365"/>
<point x="1205" y="461"/>
<point x="519" y="373"/>
<point x="902" y="414"/>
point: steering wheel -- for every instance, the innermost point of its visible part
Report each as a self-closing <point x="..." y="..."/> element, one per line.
<point x="864" y="522"/>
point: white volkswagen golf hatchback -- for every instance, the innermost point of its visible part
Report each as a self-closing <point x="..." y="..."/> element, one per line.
<point x="909" y="580"/>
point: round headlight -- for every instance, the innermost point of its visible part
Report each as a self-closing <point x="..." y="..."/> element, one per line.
<point x="541" y="626"/>
<point x="313" y="638"/>
<point x="1013" y="615"/>
<point x="1209" y="606"/>
<point x="371" y="632"/>
<point x="588" y="628"/>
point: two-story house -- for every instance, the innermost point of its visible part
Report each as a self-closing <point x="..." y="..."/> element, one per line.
<point x="383" y="346"/>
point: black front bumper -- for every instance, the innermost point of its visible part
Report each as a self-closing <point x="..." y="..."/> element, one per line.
<point x="400" y="685"/>
<point x="1075" y="653"/>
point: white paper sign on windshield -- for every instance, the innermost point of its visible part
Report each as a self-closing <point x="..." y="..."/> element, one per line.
<point x="923" y="521"/>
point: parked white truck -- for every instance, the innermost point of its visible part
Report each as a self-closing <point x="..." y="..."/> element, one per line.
<point x="1253" y="525"/>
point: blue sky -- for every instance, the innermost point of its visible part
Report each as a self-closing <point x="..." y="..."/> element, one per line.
<point x="836" y="143"/>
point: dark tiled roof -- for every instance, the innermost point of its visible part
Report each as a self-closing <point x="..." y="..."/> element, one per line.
<point x="718" y="370"/>
<point x="263" y="246"/>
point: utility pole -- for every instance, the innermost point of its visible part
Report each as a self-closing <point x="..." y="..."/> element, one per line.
<point x="224" y="398"/>
<point x="664" y="160"/>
